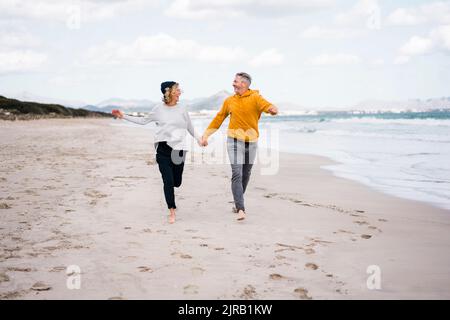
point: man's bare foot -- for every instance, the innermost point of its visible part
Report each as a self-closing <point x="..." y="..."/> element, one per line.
<point x="172" y="216"/>
<point x="241" y="215"/>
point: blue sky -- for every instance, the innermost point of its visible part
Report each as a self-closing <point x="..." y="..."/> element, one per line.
<point x="325" y="53"/>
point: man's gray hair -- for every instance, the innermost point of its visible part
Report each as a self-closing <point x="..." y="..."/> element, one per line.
<point x="246" y="76"/>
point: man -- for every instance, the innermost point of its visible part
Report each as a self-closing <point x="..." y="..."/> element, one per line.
<point x="244" y="108"/>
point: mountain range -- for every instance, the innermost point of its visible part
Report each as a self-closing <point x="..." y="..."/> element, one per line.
<point x="214" y="102"/>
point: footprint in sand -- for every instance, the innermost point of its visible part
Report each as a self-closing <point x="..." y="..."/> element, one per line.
<point x="40" y="286"/>
<point x="366" y="236"/>
<point x="191" y="231"/>
<point x="199" y="238"/>
<point x="361" y="223"/>
<point x="270" y="195"/>
<point x="128" y="259"/>
<point x="276" y="276"/>
<point x="382" y="220"/>
<point x="4" y="277"/>
<point x="311" y="266"/>
<point x="19" y="269"/>
<point x="147" y="230"/>
<point x="259" y="188"/>
<point x="197" y="271"/>
<point x="181" y="255"/>
<point x="58" y="269"/>
<point x="374" y="228"/>
<point x="343" y="231"/>
<point x="4" y="205"/>
<point x="145" y="269"/>
<point x="302" y="293"/>
<point x="249" y="293"/>
<point x="95" y="194"/>
<point x="190" y="289"/>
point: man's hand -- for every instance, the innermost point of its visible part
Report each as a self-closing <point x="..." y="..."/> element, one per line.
<point x="273" y="110"/>
<point x="203" y="142"/>
<point x="117" y="114"/>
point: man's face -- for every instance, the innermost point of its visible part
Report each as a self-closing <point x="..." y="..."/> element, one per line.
<point x="240" y="85"/>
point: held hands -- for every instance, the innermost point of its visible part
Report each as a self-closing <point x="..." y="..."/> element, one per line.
<point x="117" y="114"/>
<point x="203" y="142"/>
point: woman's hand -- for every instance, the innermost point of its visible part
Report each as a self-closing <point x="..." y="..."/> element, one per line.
<point x="117" y="114"/>
<point x="202" y="142"/>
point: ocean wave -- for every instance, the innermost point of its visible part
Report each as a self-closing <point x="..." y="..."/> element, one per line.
<point x="380" y="121"/>
<point x="412" y="137"/>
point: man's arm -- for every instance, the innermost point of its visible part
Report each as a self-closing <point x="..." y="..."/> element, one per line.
<point x="216" y="122"/>
<point x="266" y="106"/>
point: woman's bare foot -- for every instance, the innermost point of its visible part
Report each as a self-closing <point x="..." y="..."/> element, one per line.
<point x="172" y="216"/>
<point x="241" y="215"/>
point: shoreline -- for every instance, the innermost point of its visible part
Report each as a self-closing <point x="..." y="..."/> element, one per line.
<point x="79" y="193"/>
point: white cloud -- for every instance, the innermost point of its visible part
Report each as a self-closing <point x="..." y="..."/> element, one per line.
<point x="18" y="39"/>
<point x="435" y="12"/>
<point x="364" y="13"/>
<point x="205" y="9"/>
<point x="334" y="59"/>
<point x="20" y="61"/>
<point x="437" y="40"/>
<point x="269" y="57"/>
<point x="64" y="10"/>
<point x="159" y="48"/>
<point x="377" y="62"/>
<point x="402" y="60"/>
<point x="316" y="32"/>
<point x="417" y="46"/>
<point x="441" y="36"/>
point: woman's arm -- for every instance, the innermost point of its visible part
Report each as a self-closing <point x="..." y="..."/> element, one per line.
<point x="190" y="128"/>
<point x="140" y="120"/>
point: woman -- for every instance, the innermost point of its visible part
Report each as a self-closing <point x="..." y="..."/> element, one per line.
<point x="172" y="121"/>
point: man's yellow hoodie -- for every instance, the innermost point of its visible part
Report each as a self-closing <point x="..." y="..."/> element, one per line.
<point x="245" y="111"/>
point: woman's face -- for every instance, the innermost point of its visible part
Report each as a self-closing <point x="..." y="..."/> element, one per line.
<point x="176" y="93"/>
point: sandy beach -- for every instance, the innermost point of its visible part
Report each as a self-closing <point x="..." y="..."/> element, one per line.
<point x="83" y="193"/>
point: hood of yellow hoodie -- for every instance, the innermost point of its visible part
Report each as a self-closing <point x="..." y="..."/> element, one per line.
<point x="247" y="93"/>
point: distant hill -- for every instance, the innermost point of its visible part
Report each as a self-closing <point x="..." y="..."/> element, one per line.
<point x="31" y="97"/>
<point x="213" y="102"/>
<point x="12" y="109"/>
<point x="411" y="105"/>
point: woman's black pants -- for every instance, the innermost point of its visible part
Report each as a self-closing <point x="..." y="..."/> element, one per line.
<point x="171" y="165"/>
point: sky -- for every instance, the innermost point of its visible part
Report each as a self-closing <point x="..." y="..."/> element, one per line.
<point x="322" y="53"/>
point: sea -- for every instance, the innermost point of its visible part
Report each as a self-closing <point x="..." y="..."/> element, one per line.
<point x="405" y="154"/>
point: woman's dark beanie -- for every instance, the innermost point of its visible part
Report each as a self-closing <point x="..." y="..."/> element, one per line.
<point x="167" y="84"/>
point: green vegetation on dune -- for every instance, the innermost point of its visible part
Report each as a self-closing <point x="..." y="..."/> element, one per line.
<point x="11" y="109"/>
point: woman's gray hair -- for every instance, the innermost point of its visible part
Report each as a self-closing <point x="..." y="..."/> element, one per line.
<point x="246" y="76"/>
